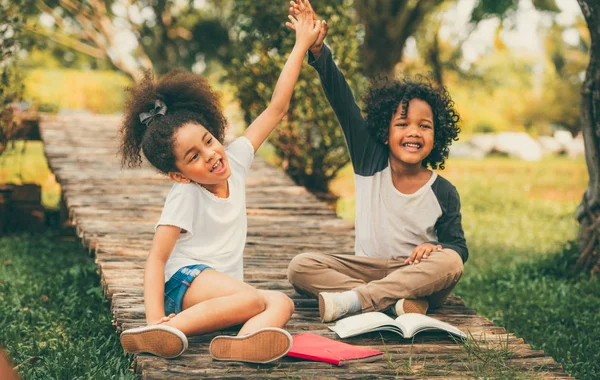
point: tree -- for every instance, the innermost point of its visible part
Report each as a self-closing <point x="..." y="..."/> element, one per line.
<point x="588" y="212"/>
<point x="443" y="56"/>
<point x="13" y="15"/>
<point x="168" y="33"/>
<point x="562" y="80"/>
<point x="388" y="24"/>
<point x="309" y="141"/>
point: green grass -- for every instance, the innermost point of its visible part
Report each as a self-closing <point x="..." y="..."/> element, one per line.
<point x="547" y="304"/>
<point x="54" y="317"/>
<point x="25" y="162"/>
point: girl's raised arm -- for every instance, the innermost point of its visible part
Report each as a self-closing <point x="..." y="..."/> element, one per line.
<point x="307" y="32"/>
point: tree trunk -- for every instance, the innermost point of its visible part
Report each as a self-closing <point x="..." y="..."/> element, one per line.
<point x="433" y="54"/>
<point x="588" y="212"/>
<point x="388" y="24"/>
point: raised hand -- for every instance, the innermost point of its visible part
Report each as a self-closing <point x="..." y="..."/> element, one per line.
<point x="296" y="8"/>
<point x="307" y="31"/>
<point x="304" y="23"/>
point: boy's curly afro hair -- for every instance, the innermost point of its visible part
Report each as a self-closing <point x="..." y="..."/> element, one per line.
<point x="383" y="97"/>
<point x="189" y="99"/>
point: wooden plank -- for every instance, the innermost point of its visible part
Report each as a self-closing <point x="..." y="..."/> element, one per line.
<point x="114" y="212"/>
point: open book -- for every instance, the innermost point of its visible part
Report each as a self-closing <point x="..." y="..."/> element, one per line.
<point x="407" y="325"/>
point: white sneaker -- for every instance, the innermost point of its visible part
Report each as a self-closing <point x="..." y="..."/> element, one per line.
<point x="159" y="340"/>
<point x="330" y="307"/>
<point x="263" y="346"/>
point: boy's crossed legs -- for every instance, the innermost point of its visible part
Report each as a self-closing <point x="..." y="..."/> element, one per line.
<point x="379" y="283"/>
<point x="215" y="301"/>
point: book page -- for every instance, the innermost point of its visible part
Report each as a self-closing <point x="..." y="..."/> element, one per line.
<point x="362" y="323"/>
<point x="414" y="323"/>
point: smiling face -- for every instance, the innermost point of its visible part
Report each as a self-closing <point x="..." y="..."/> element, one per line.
<point x="200" y="158"/>
<point x="411" y="133"/>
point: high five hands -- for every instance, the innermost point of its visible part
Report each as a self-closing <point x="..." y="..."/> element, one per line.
<point x="305" y="24"/>
<point x="304" y="7"/>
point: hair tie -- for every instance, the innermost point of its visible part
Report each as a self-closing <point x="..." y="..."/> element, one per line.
<point x="160" y="108"/>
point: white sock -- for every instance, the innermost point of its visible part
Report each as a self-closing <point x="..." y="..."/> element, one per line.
<point x="351" y="300"/>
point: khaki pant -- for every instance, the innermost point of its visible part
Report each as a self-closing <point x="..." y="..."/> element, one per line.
<point x="378" y="282"/>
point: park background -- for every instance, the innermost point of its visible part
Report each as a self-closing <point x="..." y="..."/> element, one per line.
<point x="513" y="68"/>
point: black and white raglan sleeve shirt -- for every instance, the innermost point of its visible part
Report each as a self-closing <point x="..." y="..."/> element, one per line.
<point x="389" y="224"/>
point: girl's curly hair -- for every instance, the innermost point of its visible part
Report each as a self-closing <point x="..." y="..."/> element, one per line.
<point x="188" y="98"/>
<point x="383" y="97"/>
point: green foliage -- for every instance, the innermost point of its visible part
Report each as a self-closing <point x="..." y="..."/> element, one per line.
<point x="52" y="308"/>
<point x="96" y="91"/>
<point x="179" y="32"/>
<point x="309" y="141"/>
<point x="562" y="80"/>
<point x="170" y="34"/>
<point x="501" y="97"/>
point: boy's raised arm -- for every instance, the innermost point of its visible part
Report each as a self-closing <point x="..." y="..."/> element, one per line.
<point x="306" y="33"/>
<point x="366" y="153"/>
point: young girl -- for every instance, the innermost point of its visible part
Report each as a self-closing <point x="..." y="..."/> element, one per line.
<point x="193" y="281"/>
<point x="410" y="245"/>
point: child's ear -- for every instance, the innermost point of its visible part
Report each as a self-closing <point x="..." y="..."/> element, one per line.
<point x="178" y="177"/>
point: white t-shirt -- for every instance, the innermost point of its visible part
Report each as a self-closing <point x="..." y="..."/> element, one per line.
<point x="390" y="224"/>
<point x="215" y="227"/>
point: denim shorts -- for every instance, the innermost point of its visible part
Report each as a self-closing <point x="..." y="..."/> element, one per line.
<point x="178" y="284"/>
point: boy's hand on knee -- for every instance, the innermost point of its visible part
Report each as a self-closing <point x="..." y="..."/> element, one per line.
<point x="295" y="9"/>
<point x="421" y="251"/>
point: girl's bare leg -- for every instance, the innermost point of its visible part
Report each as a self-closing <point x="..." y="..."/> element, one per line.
<point x="215" y="301"/>
<point x="278" y="311"/>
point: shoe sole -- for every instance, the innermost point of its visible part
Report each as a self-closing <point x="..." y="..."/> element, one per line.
<point x="414" y="306"/>
<point x="163" y="341"/>
<point x="263" y="346"/>
<point x="321" y="308"/>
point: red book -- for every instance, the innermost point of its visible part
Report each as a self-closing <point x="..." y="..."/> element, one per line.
<point x="318" y="348"/>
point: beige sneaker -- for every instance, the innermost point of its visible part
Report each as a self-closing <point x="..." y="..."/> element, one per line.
<point x="404" y="306"/>
<point x="159" y="340"/>
<point x="263" y="346"/>
<point x="329" y="307"/>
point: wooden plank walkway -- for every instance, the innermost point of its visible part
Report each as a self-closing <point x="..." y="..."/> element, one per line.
<point x="114" y="212"/>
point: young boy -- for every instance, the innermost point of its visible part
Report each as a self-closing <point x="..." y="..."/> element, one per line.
<point x="410" y="246"/>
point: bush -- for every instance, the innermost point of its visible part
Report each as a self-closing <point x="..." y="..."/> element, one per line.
<point x="309" y="142"/>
